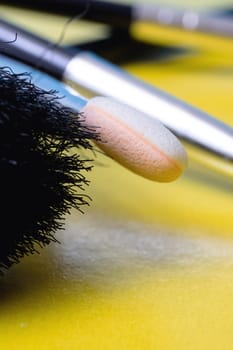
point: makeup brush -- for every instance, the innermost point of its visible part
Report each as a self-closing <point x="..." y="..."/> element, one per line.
<point x="123" y="15"/>
<point x="138" y="142"/>
<point x="39" y="167"/>
<point x="39" y="170"/>
<point x="95" y="76"/>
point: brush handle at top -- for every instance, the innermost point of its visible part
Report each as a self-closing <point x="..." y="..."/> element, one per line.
<point x="122" y="15"/>
<point x="115" y="14"/>
<point x="31" y="49"/>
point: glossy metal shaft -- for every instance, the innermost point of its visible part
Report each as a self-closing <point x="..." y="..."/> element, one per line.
<point x="206" y="133"/>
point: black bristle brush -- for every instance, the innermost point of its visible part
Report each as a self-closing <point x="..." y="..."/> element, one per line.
<point x="39" y="173"/>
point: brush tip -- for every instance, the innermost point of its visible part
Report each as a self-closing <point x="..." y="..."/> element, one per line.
<point x="137" y="141"/>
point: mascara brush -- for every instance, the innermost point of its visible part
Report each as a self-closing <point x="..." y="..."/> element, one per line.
<point x="84" y="70"/>
<point x="136" y="141"/>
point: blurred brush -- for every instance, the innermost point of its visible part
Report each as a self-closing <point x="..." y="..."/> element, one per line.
<point x="122" y="15"/>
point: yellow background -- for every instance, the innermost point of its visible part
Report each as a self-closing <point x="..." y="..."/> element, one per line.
<point x="148" y="266"/>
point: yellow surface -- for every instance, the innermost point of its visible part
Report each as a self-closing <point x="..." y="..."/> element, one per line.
<point x="149" y="266"/>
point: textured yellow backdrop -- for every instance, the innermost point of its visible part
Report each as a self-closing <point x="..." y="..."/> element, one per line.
<point x="149" y="266"/>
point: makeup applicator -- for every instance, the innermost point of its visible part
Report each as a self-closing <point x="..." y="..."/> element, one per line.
<point x="40" y="167"/>
<point x="135" y="140"/>
<point x="93" y="75"/>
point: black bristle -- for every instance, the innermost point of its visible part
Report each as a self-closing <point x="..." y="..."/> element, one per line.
<point x="39" y="173"/>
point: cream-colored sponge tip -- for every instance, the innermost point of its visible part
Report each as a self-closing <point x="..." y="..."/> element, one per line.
<point x="135" y="140"/>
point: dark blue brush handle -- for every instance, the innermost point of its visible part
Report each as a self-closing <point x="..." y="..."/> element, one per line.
<point x="35" y="51"/>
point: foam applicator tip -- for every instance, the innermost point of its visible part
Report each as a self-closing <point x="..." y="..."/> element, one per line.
<point x="135" y="140"/>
